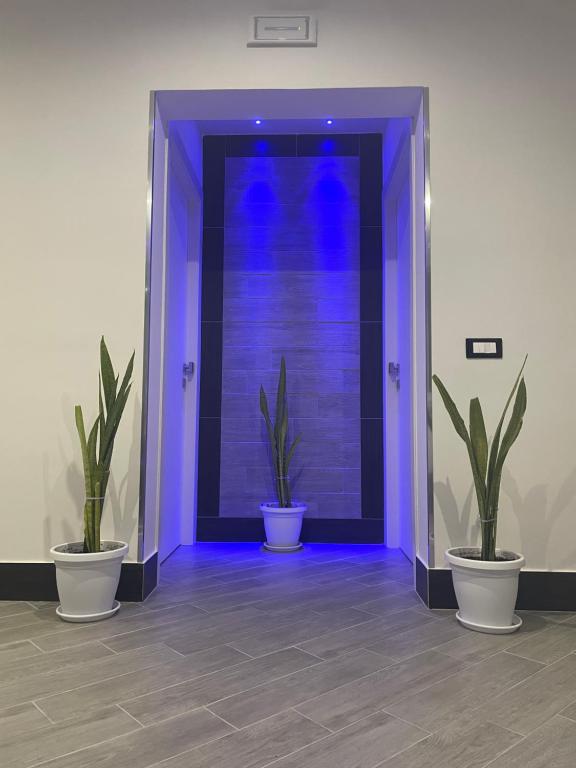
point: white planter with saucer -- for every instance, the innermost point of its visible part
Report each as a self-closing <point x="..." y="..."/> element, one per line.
<point x="87" y="581"/>
<point x="486" y="590"/>
<point x="283" y="526"/>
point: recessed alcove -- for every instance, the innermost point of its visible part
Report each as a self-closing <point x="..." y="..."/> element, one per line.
<point x="275" y="232"/>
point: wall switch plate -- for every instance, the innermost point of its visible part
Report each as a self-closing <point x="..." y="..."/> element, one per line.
<point x="484" y="348"/>
<point x="286" y="30"/>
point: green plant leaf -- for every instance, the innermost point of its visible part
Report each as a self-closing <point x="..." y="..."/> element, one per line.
<point x="478" y="437"/>
<point x="510" y="436"/>
<point x="461" y="430"/>
<point x="495" y="447"/>
<point x="108" y="375"/>
<point x="293" y="447"/>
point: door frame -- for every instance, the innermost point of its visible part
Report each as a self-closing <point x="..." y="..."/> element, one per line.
<point x="242" y="105"/>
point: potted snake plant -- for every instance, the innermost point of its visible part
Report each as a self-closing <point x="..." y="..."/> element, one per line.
<point x="88" y="571"/>
<point x="486" y="578"/>
<point x="283" y="517"/>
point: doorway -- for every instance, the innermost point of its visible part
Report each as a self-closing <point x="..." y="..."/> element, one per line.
<point x="220" y="300"/>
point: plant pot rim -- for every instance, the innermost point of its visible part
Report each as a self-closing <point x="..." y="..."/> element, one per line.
<point x="457" y="556"/>
<point x="59" y="555"/>
<point x="272" y="506"/>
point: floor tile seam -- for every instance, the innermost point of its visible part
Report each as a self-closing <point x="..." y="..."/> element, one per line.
<point x="93" y="682"/>
<point x="216" y="701"/>
<point x="323" y="633"/>
<point x="479" y="706"/>
<point x="121" y="708"/>
<point x="334" y="733"/>
<point x="312" y="698"/>
<point x="433" y="733"/>
<point x="545" y="664"/>
<point x="169" y="624"/>
<point x="105" y="637"/>
<point x="82" y="749"/>
<point x="58" y="669"/>
<point x="431" y="685"/>
<point x="155" y="690"/>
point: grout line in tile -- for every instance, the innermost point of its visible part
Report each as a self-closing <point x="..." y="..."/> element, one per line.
<point x="46" y="715"/>
<point x="207" y="708"/>
<point x="48" y="718"/>
<point x="307" y="717"/>
<point x="119" y="706"/>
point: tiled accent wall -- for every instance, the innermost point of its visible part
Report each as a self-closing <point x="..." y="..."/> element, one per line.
<point x="291" y="285"/>
<point x="292" y="263"/>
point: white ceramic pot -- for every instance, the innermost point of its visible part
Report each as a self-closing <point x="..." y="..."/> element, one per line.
<point x="486" y="590"/>
<point x="87" y="581"/>
<point x="283" y="526"/>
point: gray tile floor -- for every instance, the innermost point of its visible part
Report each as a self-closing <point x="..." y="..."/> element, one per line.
<point x="321" y="659"/>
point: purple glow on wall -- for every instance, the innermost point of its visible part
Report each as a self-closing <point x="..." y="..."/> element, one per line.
<point x="291" y="286"/>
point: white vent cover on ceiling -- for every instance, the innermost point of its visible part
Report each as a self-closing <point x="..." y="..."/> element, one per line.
<point x="283" y="31"/>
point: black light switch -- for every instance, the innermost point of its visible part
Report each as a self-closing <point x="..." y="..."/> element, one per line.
<point x="483" y="348"/>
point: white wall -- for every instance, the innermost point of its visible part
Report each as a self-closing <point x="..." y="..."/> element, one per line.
<point x="75" y="78"/>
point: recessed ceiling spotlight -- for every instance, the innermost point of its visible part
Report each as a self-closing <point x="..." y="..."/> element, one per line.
<point x="329" y="122"/>
<point x="258" y="122"/>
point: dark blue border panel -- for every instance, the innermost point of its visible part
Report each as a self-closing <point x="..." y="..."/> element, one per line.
<point x="369" y="529"/>
<point x="266" y="145"/>
<point x="212" y="273"/>
<point x="213" y="168"/>
<point x="37" y="581"/>
<point x="372" y="468"/>
<point x="209" y="450"/>
<point x="537" y="590"/>
<point x="371" y="180"/>
<point x="318" y="145"/>
<point x="327" y="531"/>
<point x="371" y="373"/>
<point x="371" y="286"/>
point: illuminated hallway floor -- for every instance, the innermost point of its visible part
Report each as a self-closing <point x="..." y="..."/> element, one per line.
<point x="321" y="659"/>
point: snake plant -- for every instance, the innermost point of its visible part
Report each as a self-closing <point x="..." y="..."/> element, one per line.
<point x="97" y="449"/>
<point x="278" y="436"/>
<point x="487" y="461"/>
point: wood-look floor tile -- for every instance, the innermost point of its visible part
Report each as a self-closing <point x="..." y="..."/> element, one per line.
<point x="51" y="741"/>
<point x="344" y="640"/>
<point x="253" y="747"/>
<point x="547" y="646"/>
<point x="229" y="631"/>
<point x="393" y="602"/>
<point x="434" y="707"/>
<point x="16" y="721"/>
<point x="13" y="607"/>
<point x="466" y="743"/>
<point x="47" y="683"/>
<point x="417" y="639"/>
<point x="348" y="703"/>
<point x="62" y="706"/>
<point x="365" y="744"/>
<point x="148" y="746"/>
<point x="270" y="698"/>
<point x="186" y="696"/>
<point x="13" y="652"/>
<point x="553" y="745"/>
<point x="535" y="700"/>
<point x="476" y="646"/>
<point x="117" y="625"/>
<point x="300" y="631"/>
<point x="52" y="661"/>
<point x="239" y="618"/>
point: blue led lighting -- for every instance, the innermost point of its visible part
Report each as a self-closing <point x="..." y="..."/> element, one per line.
<point x="329" y="122"/>
<point x="258" y="122"/>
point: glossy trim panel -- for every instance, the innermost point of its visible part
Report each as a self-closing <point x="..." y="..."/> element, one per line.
<point x="146" y="345"/>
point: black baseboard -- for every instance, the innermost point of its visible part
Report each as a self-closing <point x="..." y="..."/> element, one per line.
<point x="537" y="590"/>
<point x="327" y="531"/>
<point x="37" y="581"/>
